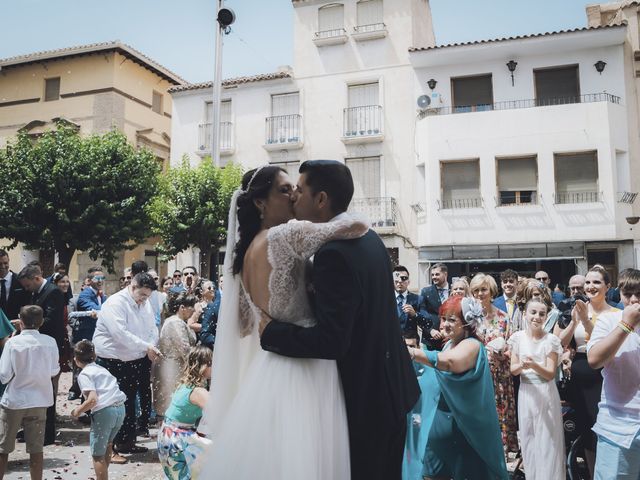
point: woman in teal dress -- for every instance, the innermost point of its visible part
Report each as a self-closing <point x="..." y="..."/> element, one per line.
<point x="453" y="430"/>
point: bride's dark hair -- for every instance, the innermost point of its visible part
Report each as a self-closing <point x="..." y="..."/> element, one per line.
<point x="248" y="214"/>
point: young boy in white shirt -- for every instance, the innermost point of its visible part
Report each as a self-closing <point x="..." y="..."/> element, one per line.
<point x="27" y="364"/>
<point x="106" y="402"/>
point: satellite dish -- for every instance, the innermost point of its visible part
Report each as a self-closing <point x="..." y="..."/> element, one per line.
<point x="423" y="101"/>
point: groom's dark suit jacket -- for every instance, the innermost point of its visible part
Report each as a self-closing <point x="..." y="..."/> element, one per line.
<point x="357" y="325"/>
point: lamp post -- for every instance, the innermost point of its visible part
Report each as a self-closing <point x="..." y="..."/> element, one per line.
<point x="224" y="19"/>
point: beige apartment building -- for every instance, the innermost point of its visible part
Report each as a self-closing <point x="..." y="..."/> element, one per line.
<point x="95" y="87"/>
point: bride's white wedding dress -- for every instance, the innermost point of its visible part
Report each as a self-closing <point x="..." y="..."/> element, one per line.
<point x="278" y="418"/>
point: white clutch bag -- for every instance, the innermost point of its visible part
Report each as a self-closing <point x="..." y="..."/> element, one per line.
<point x="497" y="344"/>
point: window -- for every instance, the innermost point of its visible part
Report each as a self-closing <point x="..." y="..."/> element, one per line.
<point x="366" y="176"/>
<point x="461" y="184"/>
<point x="51" y="89"/>
<point x="557" y="86"/>
<point x="226" y="126"/>
<point x="472" y="94"/>
<point x="364" y="115"/>
<point x="156" y="104"/>
<point x="369" y="15"/>
<point x="225" y="112"/>
<point x="331" y="20"/>
<point x="517" y="180"/>
<point x="576" y="177"/>
<point x="285" y="122"/>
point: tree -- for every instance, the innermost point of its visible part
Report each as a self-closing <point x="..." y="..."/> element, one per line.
<point x="192" y="207"/>
<point x="66" y="193"/>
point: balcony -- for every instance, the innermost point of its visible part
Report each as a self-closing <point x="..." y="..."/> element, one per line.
<point x="382" y="212"/>
<point x="527" y="103"/>
<point x="563" y="198"/>
<point x="460" y="203"/>
<point x="283" y="132"/>
<point x="227" y="146"/>
<point x="363" y="124"/>
<point x="369" y="32"/>
<point x="330" y="37"/>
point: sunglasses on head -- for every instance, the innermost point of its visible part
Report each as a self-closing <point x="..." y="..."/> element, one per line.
<point x="100" y="278"/>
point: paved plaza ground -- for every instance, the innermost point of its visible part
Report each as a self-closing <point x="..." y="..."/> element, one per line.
<point x="70" y="458"/>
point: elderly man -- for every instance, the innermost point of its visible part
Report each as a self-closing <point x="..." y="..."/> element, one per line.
<point x="51" y="299"/>
<point x="125" y="341"/>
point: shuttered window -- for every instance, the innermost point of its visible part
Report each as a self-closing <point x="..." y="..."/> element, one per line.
<point x="472" y="93"/>
<point x="285" y="104"/>
<point x="364" y="95"/>
<point x="366" y="176"/>
<point x="369" y="12"/>
<point x="331" y="17"/>
<point x="576" y="177"/>
<point x="517" y="180"/>
<point x="557" y="86"/>
<point x="225" y="111"/>
<point x="461" y="184"/>
<point x="51" y="89"/>
<point x="156" y="104"/>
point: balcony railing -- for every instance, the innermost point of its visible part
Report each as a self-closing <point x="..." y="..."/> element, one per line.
<point x="517" y="198"/>
<point x="627" y="197"/>
<point x="577" y="197"/>
<point x="528" y="103"/>
<point x="336" y="32"/>
<point x="374" y="27"/>
<point x="363" y="121"/>
<point x="226" y="137"/>
<point x="283" y="130"/>
<point x="381" y="211"/>
<point x="460" y="203"/>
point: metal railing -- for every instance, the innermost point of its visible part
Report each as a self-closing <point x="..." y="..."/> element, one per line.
<point x="363" y="121"/>
<point x="527" y="103"/>
<point x="577" y="197"/>
<point x="336" y="32"/>
<point x="381" y="211"/>
<point x="517" y="199"/>
<point x="226" y="136"/>
<point x="283" y="129"/>
<point x="627" y="197"/>
<point x="458" y="203"/>
<point x="373" y="27"/>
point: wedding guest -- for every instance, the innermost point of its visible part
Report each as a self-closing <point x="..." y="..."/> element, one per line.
<point x="6" y="330"/>
<point x="28" y="365"/>
<point x="458" y="431"/>
<point x="584" y="389"/>
<point x="61" y="281"/>
<point x="13" y="295"/>
<point x="167" y="283"/>
<point x="176" y="339"/>
<point x="209" y="317"/>
<point x="190" y="279"/>
<point x="433" y="297"/>
<point x="408" y="303"/>
<point x="494" y="333"/>
<point x="125" y="342"/>
<point x="507" y="301"/>
<point x="614" y="346"/>
<point x="106" y="402"/>
<point x="177" y="277"/>
<point x="528" y="289"/>
<point x="460" y="287"/>
<point x="534" y="357"/>
<point x="90" y="300"/>
<point x="180" y="448"/>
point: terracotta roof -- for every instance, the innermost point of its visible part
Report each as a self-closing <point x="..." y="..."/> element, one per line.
<point x="116" y="45"/>
<point x="232" y="81"/>
<point x="518" y="37"/>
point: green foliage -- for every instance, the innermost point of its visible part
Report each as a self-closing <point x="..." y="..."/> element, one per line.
<point x="65" y="193"/>
<point x="192" y="207"/>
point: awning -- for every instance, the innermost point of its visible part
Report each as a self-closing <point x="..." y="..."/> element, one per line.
<point x="503" y="253"/>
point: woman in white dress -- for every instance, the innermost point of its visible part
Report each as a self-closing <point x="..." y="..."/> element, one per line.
<point x="272" y="417"/>
<point x="534" y="356"/>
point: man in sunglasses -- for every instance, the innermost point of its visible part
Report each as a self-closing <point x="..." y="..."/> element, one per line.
<point x="177" y="278"/>
<point x="408" y="303"/>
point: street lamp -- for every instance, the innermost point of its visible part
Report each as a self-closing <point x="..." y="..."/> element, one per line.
<point x="225" y="19"/>
<point x="511" y="65"/>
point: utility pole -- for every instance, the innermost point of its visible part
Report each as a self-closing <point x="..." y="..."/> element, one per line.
<point x="225" y="17"/>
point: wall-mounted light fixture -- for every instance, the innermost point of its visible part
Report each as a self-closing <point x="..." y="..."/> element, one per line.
<point x="511" y="65"/>
<point x="431" y="83"/>
<point x="600" y="66"/>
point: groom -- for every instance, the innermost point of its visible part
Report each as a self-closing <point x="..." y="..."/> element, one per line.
<point x="357" y="325"/>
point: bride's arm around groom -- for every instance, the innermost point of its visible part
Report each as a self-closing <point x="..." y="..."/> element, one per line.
<point x="356" y="325"/>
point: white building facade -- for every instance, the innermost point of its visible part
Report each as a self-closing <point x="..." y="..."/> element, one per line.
<point x="538" y="173"/>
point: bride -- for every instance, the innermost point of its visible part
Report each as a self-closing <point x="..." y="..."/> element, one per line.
<point x="272" y="417"/>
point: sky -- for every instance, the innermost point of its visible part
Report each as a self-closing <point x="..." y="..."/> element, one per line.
<point x="180" y="35"/>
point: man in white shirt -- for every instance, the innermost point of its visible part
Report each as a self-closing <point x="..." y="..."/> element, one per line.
<point x="614" y="346"/>
<point x="125" y="341"/>
<point x="28" y="363"/>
